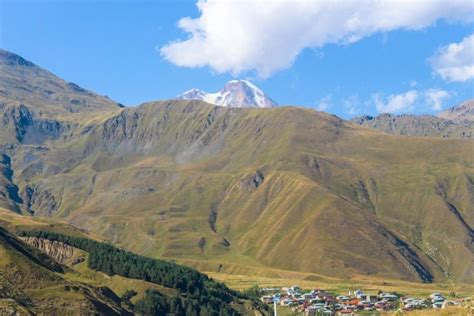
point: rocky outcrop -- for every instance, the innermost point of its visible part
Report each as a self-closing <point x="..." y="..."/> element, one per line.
<point x="40" y="201"/>
<point x="27" y="128"/>
<point x="252" y="181"/>
<point x="413" y="125"/>
<point x="212" y="219"/>
<point x="61" y="252"/>
<point x="9" y="196"/>
<point x="459" y="113"/>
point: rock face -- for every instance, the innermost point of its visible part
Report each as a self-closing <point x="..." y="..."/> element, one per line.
<point x="422" y="125"/>
<point x="236" y="93"/>
<point x="61" y="252"/>
<point x="459" y="113"/>
<point x="252" y="181"/>
<point x="9" y="195"/>
<point x="27" y="127"/>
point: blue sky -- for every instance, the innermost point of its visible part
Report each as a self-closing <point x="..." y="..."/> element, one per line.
<point x="116" y="48"/>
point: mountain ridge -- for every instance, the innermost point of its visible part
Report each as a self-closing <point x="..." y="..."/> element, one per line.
<point x="461" y="112"/>
<point x="24" y="83"/>
<point x="455" y="122"/>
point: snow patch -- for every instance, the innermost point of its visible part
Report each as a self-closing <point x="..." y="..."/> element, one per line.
<point x="236" y="93"/>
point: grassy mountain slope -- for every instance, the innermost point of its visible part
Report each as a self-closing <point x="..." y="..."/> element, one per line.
<point x="36" y="106"/>
<point x="26" y="83"/>
<point x="188" y="180"/>
<point x="287" y="187"/>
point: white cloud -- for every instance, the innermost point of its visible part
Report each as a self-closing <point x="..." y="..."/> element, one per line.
<point x="435" y="98"/>
<point x="351" y="104"/>
<point x="455" y="62"/>
<point x="413" y="83"/>
<point x="405" y="102"/>
<point x="324" y="103"/>
<point x="396" y="103"/>
<point x="267" y="35"/>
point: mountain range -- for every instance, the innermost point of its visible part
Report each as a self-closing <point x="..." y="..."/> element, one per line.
<point x="231" y="189"/>
<point x="455" y="122"/>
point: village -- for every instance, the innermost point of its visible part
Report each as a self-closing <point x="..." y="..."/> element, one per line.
<point x="321" y="302"/>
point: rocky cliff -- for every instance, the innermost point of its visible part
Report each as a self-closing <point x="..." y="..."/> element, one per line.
<point x="61" y="252"/>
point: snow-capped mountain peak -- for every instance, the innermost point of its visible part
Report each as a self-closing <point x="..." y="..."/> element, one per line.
<point x="236" y="93"/>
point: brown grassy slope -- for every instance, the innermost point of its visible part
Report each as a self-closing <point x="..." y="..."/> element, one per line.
<point x="286" y="187"/>
<point x="15" y="223"/>
<point x="21" y="81"/>
<point x="36" y="106"/>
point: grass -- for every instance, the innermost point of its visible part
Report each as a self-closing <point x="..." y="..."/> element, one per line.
<point x="16" y="222"/>
<point x="369" y="285"/>
<point x="118" y="284"/>
<point x="241" y="274"/>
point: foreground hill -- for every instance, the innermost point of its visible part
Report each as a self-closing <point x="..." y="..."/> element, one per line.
<point x="48" y="272"/>
<point x="288" y="188"/>
<point x="31" y="282"/>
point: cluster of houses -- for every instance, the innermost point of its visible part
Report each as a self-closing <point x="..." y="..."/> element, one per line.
<point x="320" y="302"/>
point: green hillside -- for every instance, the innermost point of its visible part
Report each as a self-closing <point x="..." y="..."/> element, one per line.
<point x="46" y="272"/>
<point x="33" y="283"/>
